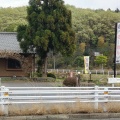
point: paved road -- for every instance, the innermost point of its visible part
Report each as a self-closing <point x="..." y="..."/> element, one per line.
<point x="30" y="84"/>
<point x="49" y="117"/>
<point x="96" y="119"/>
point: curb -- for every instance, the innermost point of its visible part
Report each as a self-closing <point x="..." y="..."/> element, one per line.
<point x="64" y="117"/>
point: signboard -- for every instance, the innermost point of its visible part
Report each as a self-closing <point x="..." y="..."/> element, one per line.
<point x="86" y="63"/>
<point x="113" y="80"/>
<point x="96" y="53"/>
<point x="118" y="43"/>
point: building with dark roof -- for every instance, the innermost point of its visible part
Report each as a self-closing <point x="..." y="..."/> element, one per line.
<point x="8" y="41"/>
<point x="13" y="62"/>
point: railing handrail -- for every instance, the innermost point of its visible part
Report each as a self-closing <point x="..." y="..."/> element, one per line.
<point x="24" y="95"/>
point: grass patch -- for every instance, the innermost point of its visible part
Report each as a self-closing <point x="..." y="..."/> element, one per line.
<point x="96" y="79"/>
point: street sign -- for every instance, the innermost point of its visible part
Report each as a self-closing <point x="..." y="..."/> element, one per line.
<point x="113" y="80"/>
<point x="96" y="54"/>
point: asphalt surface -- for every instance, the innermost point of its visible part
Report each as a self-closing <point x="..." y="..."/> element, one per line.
<point x="62" y="117"/>
<point x="30" y="84"/>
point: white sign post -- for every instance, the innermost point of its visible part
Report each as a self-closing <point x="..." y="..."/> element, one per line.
<point x="118" y="44"/>
<point x="113" y="81"/>
<point x="117" y="47"/>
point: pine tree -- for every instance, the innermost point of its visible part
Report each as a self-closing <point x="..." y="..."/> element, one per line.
<point x="49" y="29"/>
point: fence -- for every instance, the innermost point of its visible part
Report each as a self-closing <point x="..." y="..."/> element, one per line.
<point x="108" y="72"/>
<point x="28" y="95"/>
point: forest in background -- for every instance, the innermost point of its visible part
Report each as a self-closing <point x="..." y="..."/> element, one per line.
<point x="95" y="32"/>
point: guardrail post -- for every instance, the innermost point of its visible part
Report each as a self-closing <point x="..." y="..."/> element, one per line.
<point x="0" y="81"/>
<point x="4" y="100"/>
<point x="96" y="72"/>
<point x="108" y="73"/>
<point x="103" y="72"/>
<point x="113" y="83"/>
<point x="96" y="98"/>
<point x="106" y="99"/>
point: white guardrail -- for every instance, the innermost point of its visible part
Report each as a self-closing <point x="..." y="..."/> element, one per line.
<point x="29" y="95"/>
<point x="107" y="72"/>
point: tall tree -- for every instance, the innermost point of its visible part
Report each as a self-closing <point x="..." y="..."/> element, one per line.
<point x="101" y="60"/>
<point x="49" y="29"/>
<point x="117" y="10"/>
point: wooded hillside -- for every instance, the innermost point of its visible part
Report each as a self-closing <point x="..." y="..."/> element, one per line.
<point x="94" y="32"/>
<point x="10" y="18"/>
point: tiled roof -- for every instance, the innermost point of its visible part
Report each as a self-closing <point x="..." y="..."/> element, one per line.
<point x="8" y="42"/>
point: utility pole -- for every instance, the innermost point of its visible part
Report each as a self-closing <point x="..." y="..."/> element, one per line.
<point x="115" y="50"/>
<point x="54" y="61"/>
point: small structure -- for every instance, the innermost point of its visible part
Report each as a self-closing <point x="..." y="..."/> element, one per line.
<point x="79" y="78"/>
<point x="113" y="81"/>
<point x="13" y="62"/>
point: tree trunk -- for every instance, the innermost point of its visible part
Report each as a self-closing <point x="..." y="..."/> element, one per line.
<point x="54" y="61"/>
<point x="45" y="68"/>
<point x="102" y="66"/>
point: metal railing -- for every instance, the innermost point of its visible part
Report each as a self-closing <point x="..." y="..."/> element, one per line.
<point x="103" y="72"/>
<point x="29" y="95"/>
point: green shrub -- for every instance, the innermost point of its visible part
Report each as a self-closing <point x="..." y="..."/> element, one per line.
<point x="36" y="74"/>
<point x="51" y="75"/>
<point x="70" y="81"/>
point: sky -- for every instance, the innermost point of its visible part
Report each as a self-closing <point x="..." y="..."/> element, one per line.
<point x="92" y="4"/>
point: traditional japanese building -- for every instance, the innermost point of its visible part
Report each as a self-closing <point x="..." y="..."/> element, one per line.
<point x="13" y="62"/>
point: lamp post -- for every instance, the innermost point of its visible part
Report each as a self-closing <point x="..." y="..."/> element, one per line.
<point x="90" y="76"/>
<point x="78" y="78"/>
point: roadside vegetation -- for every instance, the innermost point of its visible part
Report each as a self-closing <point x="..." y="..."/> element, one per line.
<point x="74" y="108"/>
<point x="62" y="79"/>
